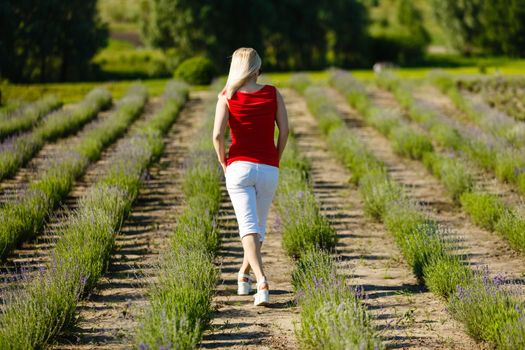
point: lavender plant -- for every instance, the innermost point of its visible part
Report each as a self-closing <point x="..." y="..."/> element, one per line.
<point x="333" y="316"/>
<point x="27" y="116"/>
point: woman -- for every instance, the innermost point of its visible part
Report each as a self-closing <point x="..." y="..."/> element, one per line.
<point x="252" y="165"/>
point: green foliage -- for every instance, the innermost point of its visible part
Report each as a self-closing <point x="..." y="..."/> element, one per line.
<point x="444" y="274"/>
<point x="27" y="214"/>
<point x="336" y="33"/>
<point x="404" y="39"/>
<point x="378" y="192"/>
<point x="483" y="26"/>
<point x="196" y="70"/>
<point x="452" y="172"/>
<point x="484" y="209"/>
<point x="121" y="60"/>
<point x="490" y="312"/>
<point x="410" y="143"/>
<point x="332" y="314"/>
<point x="35" y="48"/>
<point x="511" y="225"/>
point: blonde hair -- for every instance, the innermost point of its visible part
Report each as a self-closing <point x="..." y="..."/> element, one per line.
<point x="244" y="65"/>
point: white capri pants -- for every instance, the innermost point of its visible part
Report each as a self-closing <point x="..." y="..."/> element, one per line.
<point x="251" y="187"/>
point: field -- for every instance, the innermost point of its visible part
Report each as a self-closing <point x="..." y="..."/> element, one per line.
<point x="398" y="223"/>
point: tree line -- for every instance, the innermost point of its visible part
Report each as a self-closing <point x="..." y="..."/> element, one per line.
<point x="56" y="39"/>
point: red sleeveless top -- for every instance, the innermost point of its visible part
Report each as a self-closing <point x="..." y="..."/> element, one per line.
<point x="252" y="126"/>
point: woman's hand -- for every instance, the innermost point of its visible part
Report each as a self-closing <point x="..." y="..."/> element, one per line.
<point x="223" y="165"/>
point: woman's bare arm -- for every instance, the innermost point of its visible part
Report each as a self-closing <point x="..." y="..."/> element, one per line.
<point x="219" y="128"/>
<point x="282" y="124"/>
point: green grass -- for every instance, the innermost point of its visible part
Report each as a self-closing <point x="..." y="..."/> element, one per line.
<point x="122" y="60"/>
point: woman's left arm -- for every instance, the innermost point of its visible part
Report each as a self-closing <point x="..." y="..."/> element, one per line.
<point x="219" y="128"/>
<point x="282" y="123"/>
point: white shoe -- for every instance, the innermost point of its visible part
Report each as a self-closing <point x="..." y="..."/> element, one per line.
<point x="262" y="297"/>
<point x="244" y="288"/>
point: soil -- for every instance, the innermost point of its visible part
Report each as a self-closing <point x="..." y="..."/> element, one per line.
<point x="406" y="315"/>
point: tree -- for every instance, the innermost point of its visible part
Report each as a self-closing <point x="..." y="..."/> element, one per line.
<point x="290" y="34"/>
<point x="460" y="20"/>
<point x="483" y="26"/>
<point x="504" y="24"/>
<point x="48" y="40"/>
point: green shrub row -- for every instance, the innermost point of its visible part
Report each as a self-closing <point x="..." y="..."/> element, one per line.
<point x="333" y="315"/>
<point x="428" y="249"/>
<point x="26" y="117"/>
<point x="331" y="311"/>
<point x="485" y="210"/>
<point x="24" y="217"/>
<point x="33" y="315"/>
<point x="510" y="130"/>
<point x="19" y="150"/>
<point x="184" y="278"/>
<point x="303" y="225"/>
<point x="406" y="141"/>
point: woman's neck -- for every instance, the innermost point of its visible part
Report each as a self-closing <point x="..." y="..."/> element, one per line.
<point x="250" y="86"/>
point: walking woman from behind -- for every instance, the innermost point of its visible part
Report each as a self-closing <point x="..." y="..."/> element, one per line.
<point x="252" y="165"/>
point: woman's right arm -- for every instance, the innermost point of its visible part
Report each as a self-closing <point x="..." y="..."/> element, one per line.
<point x="219" y="128"/>
<point x="282" y="123"/>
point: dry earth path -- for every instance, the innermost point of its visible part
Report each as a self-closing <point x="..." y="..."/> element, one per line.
<point x="107" y="319"/>
<point x="237" y="323"/>
<point x="408" y="316"/>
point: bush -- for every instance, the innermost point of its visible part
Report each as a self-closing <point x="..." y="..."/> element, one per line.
<point x="196" y="70"/>
<point x="410" y="143"/>
<point x="484" y="209"/>
<point x="396" y="48"/>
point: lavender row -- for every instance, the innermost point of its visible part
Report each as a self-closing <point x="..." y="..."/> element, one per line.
<point x="488" y="307"/>
<point x="33" y="316"/>
<point x="15" y="152"/>
<point x="26" y="117"/>
<point x="24" y="217"/>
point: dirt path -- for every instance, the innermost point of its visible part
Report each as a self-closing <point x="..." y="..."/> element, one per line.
<point x="106" y="318"/>
<point x="10" y="187"/>
<point x="237" y="324"/>
<point x="431" y="98"/>
<point x="32" y="255"/>
<point x="482" y="248"/>
<point x="408" y="316"/>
